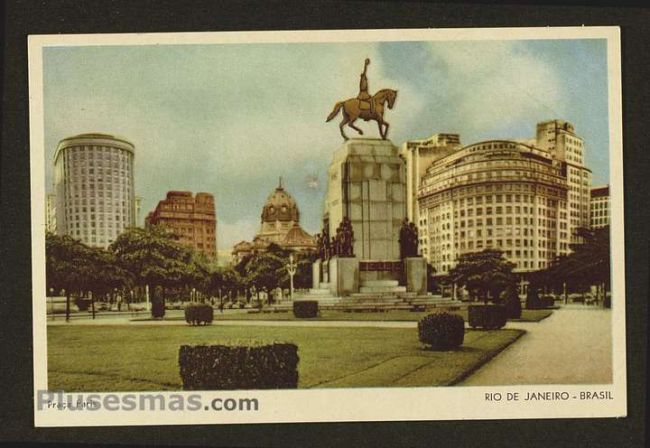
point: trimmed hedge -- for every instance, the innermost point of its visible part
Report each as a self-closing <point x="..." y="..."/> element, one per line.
<point x="607" y="302"/>
<point x="546" y="302"/>
<point x="442" y="331"/>
<point x="82" y="303"/>
<point x="532" y="299"/>
<point x="305" y="308"/>
<point x="157" y="308"/>
<point x="230" y="367"/>
<point x="199" y="313"/>
<point x="489" y="317"/>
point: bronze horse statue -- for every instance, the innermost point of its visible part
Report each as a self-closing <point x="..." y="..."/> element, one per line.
<point x="354" y="108"/>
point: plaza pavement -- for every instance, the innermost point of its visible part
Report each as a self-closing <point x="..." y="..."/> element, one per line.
<point x="572" y="346"/>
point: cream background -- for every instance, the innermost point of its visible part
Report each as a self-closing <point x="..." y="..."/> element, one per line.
<point x="341" y="404"/>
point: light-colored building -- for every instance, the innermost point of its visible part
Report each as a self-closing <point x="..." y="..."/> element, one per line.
<point x="138" y="210"/>
<point x="521" y="197"/>
<point x="559" y="138"/>
<point x="418" y="155"/>
<point x="600" y="207"/>
<point x="280" y="224"/>
<point x="94" y="187"/>
<point x="50" y="213"/>
<point x="191" y="218"/>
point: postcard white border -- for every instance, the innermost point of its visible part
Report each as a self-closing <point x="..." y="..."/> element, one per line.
<point x="340" y="405"/>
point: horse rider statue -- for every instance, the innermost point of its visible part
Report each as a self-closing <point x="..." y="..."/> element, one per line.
<point x="365" y="100"/>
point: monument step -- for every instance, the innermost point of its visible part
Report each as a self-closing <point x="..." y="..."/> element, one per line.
<point x="324" y="285"/>
<point x="371" y="301"/>
<point x="319" y="292"/>
<point x="379" y="283"/>
<point x="380" y="289"/>
<point x="374" y="295"/>
<point x="406" y="295"/>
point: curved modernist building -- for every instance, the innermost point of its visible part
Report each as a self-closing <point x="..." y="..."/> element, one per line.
<point x="494" y="194"/>
<point x="94" y="187"/>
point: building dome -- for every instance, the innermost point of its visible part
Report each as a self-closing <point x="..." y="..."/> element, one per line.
<point x="280" y="206"/>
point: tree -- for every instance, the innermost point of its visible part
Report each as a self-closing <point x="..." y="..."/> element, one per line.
<point x="303" y="277"/>
<point x="588" y="264"/>
<point x="67" y="266"/>
<point x="266" y="272"/>
<point x="231" y="281"/>
<point x="106" y="276"/>
<point x="153" y="258"/>
<point x="484" y="274"/>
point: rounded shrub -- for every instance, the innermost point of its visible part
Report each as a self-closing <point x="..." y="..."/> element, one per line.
<point x="199" y="314"/>
<point x="305" y="308"/>
<point x="442" y="331"/>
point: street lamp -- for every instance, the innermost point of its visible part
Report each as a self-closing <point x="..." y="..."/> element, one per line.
<point x="52" y="301"/>
<point x="291" y="269"/>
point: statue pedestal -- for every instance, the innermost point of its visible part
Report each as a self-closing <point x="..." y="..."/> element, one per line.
<point x="415" y="270"/>
<point x="367" y="184"/>
<point x="315" y="275"/>
<point x="344" y="276"/>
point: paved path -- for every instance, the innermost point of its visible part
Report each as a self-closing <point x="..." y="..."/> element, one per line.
<point x="572" y="346"/>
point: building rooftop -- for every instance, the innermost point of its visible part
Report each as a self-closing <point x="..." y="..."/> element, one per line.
<point x="600" y="191"/>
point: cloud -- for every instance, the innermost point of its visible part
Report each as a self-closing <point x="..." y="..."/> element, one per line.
<point x="498" y="81"/>
<point x="229" y="234"/>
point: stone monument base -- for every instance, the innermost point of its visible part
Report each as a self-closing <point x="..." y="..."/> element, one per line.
<point x="415" y="273"/>
<point x="343" y="275"/>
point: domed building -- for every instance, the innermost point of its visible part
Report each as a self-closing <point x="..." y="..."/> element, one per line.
<point x="280" y="224"/>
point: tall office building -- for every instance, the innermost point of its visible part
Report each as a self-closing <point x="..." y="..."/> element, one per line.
<point x="191" y="218"/>
<point x="418" y="156"/>
<point x="559" y="138"/>
<point x="521" y="197"/>
<point x="94" y="187"/>
<point x="599" y="207"/>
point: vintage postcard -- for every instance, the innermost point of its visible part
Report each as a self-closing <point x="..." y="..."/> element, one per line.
<point x="327" y="226"/>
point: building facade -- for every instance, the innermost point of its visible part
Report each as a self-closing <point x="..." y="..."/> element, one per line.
<point x="521" y="197"/>
<point x="600" y="207"/>
<point x="94" y="188"/>
<point x="559" y="138"/>
<point x="280" y="224"/>
<point x="50" y="213"/>
<point x="191" y="218"/>
<point x="418" y="156"/>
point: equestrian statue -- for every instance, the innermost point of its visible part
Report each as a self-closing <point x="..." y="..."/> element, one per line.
<point x="365" y="106"/>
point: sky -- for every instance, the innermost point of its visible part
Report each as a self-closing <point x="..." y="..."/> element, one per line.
<point x="230" y="119"/>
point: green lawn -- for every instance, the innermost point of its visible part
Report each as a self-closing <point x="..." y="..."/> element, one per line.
<point x="137" y="358"/>
<point x="526" y="316"/>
